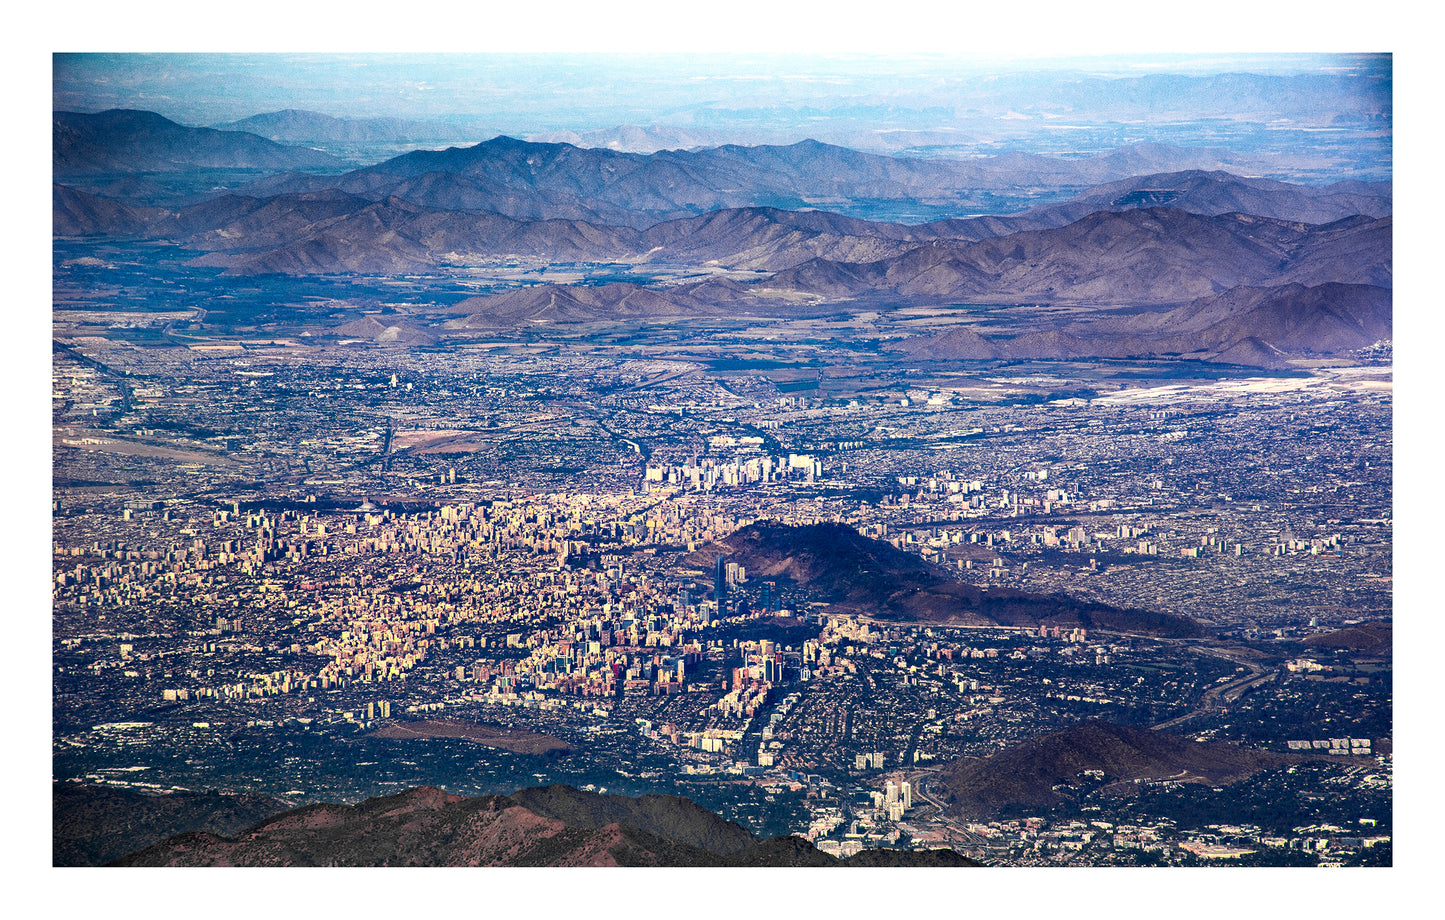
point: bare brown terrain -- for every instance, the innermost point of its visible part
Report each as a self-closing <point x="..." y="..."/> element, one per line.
<point x="510" y="739"/>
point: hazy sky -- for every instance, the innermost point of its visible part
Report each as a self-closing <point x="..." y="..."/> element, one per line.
<point x="582" y="90"/>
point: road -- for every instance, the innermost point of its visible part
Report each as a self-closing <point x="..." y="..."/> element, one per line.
<point x="1218" y="696"/>
<point x="922" y="782"/>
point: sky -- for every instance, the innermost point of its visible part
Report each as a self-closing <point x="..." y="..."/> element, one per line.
<point x="572" y="89"/>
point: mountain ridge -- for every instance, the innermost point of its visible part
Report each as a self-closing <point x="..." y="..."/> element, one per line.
<point x="547" y="826"/>
<point x="134" y="140"/>
<point x="1261" y="326"/>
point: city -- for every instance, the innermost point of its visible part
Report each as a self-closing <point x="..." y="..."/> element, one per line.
<point x="476" y="579"/>
<point x="895" y="485"/>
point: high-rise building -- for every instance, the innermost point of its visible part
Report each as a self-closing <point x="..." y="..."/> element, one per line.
<point x="906" y="791"/>
<point x="720" y="582"/>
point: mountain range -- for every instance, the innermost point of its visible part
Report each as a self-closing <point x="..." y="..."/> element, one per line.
<point x="539" y="181"/>
<point x="550" y="826"/>
<point x="1208" y="193"/>
<point x="1142" y="256"/>
<point x="1232" y="269"/>
<point x="1137" y="256"/>
<point x="860" y="575"/>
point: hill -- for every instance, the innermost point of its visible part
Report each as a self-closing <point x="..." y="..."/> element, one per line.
<point x="561" y="303"/>
<point x="859" y="575"/>
<point x="551" y="303"/>
<point x="76" y="213"/>
<point x="1023" y="778"/>
<point x="128" y="141"/>
<point x="1366" y="637"/>
<point x="1294" y="318"/>
<point x="552" y="826"/>
<point x="92" y="825"/>
<point x="369" y="328"/>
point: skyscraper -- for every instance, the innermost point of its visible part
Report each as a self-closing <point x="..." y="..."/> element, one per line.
<point x="720" y="582"/>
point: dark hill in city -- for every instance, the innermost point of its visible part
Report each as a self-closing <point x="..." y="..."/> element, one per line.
<point x="1023" y="778"/>
<point x="552" y="826"/>
<point x="1378" y="636"/>
<point x="860" y="575"/>
<point x="92" y="825"/>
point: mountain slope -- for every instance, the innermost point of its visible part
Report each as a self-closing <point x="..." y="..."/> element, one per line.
<point x="554" y="826"/>
<point x="76" y="213"/>
<point x="1291" y="318"/>
<point x="127" y="140"/>
<point x="1258" y="326"/>
<point x="92" y="825"/>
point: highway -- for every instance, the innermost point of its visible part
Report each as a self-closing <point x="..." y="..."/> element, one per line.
<point x="1218" y="696"/>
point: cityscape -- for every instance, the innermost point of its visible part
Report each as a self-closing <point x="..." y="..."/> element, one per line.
<point x="993" y="505"/>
